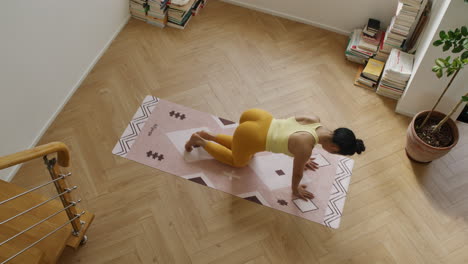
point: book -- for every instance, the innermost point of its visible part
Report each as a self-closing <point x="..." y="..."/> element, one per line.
<point x="366" y="82"/>
<point x="422" y="10"/>
<point x="373" y="40"/>
<point x="181" y="20"/>
<point x="355" y="45"/>
<point x="138" y="15"/>
<point x="373" y="69"/>
<point x="364" y="45"/>
<point x="156" y="21"/>
<point x="184" y="8"/>
<point x="198" y="5"/>
<point x="410" y="8"/>
<point x="157" y="15"/>
<point x="396" y="36"/>
<point x="351" y="56"/>
<point x="357" y="80"/>
<point x="414" y="3"/>
<point x="396" y="74"/>
<point x="179" y="26"/>
<point x="372" y="27"/>
<point x="413" y="43"/>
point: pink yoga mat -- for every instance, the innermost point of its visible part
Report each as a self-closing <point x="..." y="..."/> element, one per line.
<point x="159" y="130"/>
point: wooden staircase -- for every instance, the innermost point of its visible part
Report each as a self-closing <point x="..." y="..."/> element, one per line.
<point x="46" y="229"/>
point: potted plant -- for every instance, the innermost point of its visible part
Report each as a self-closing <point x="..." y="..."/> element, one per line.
<point x="433" y="134"/>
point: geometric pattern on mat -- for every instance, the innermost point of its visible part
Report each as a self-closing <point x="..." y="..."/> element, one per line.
<point x="321" y="160"/>
<point x="135" y="126"/>
<point x="199" y="178"/>
<point x="305" y="206"/>
<point x="255" y="197"/>
<point x="265" y="181"/>
<point x="338" y="193"/>
<point x="224" y="122"/>
<point x="179" y="137"/>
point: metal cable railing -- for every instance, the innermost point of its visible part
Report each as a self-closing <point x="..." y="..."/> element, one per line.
<point x="58" y="179"/>
<point x="40" y="222"/>
<point x="35" y="188"/>
<point x="42" y="238"/>
<point x="38" y="205"/>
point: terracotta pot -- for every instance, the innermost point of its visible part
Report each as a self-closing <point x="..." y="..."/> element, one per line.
<point x="420" y="151"/>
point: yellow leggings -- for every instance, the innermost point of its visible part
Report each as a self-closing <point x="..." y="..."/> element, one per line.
<point x="249" y="138"/>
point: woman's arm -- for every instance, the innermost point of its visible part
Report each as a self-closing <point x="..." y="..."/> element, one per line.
<point x="301" y="158"/>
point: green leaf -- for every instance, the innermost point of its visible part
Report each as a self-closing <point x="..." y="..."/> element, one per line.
<point x="438" y="43"/>
<point x="435" y="68"/>
<point x="464" y="55"/>
<point x="447" y="59"/>
<point x="451" y="34"/>
<point x="464" y="30"/>
<point x="439" y="73"/>
<point x="457" y="49"/>
<point x="447" y="45"/>
<point x="465" y="98"/>
<point x="440" y="62"/>
<point x="461" y="42"/>
<point x="450" y="72"/>
<point x="447" y="63"/>
<point x="465" y="43"/>
<point x="442" y="35"/>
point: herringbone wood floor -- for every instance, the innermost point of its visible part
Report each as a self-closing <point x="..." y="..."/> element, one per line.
<point x="227" y="60"/>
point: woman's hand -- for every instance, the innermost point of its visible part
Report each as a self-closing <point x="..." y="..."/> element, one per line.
<point x="311" y="165"/>
<point x="302" y="193"/>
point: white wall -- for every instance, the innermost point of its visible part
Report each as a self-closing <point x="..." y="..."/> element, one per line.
<point x="424" y="87"/>
<point x="340" y="16"/>
<point x="46" y="49"/>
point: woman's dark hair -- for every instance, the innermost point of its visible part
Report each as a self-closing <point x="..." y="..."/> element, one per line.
<point x="347" y="142"/>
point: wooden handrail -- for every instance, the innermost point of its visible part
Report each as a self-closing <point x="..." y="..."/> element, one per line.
<point x="63" y="155"/>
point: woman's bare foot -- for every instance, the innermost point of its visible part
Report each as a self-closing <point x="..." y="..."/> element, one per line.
<point x="195" y="141"/>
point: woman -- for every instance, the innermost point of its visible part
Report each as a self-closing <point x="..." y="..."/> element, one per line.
<point x="296" y="136"/>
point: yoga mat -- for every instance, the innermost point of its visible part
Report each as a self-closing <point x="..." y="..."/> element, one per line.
<point x="159" y="130"/>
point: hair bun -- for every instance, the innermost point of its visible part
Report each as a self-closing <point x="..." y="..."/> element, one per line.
<point x="360" y="146"/>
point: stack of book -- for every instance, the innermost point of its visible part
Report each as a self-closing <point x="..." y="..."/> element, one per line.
<point x="138" y="9"/>
<point x="179" y="16"/>
<point x="157" y="13"/>
<point x="356" y="53"/>
<point x="381" y="55"/>
<point x="364" y="43"/>
<point x="198" y="6"/>
<point x="369" y="75"/>
<point x="175" y="13"/>
<point x="396" y="74"/>
<point x="372" y="28"/>
<point x="408" y="11"/>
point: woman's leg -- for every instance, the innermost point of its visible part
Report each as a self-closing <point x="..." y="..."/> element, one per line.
<point x="226" y="140"/>
<point x="222" y="139"/>
<point x="245" y="144"/>
<point x="248" y="139"/>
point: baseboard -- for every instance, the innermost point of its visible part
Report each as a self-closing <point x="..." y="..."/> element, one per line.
<point x="408" y="114"/>
<point x="70" y="94"/>
<point x="290" y="17"/>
